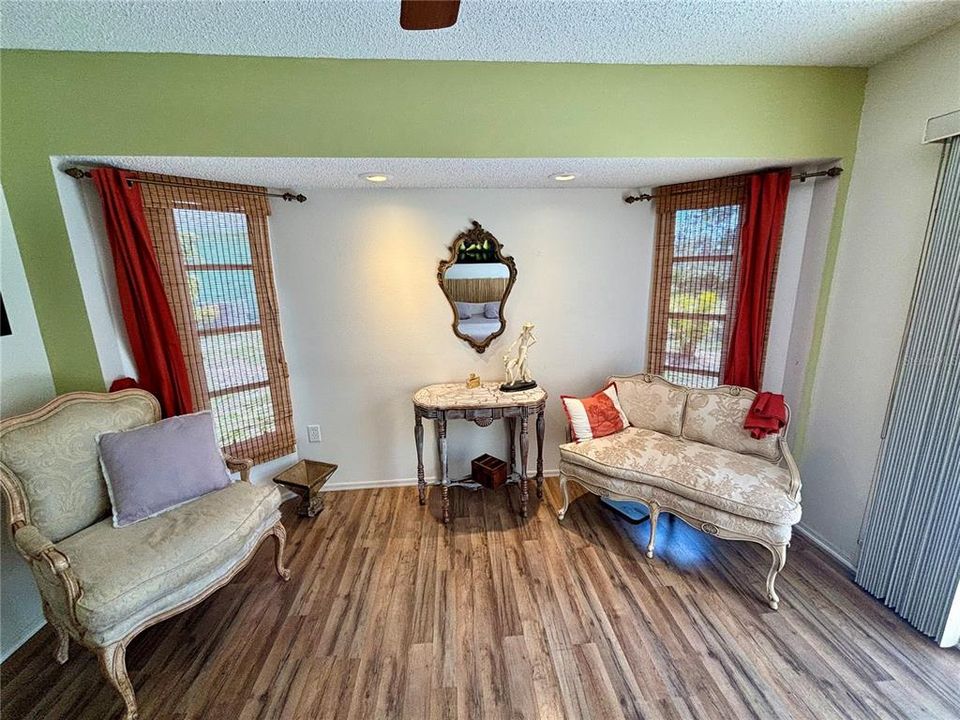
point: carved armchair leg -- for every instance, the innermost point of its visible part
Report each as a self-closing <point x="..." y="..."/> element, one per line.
<point x="779" y="553"/>
<point x="280" y="536"/>
<point x="654" y="514"/>
<point x="63" y="644"/>
<point x="113" y="665"/>
<point x="566" y="497"/>
<point x="62" y="651"/>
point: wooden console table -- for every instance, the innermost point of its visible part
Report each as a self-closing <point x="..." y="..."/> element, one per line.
<point x="482" y="405"/>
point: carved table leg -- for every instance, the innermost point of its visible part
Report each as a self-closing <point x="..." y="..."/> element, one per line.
<point x="418" y="435"/>
<point x="113" y="665"/>
<point x="444" y="480"/>
<point x="512" y="429"/>
<point x="311" y="503"/>
<point x="540" y="424"/>
<point x="524" y="447"/>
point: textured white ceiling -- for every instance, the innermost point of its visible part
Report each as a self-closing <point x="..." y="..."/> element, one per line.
<point x="703" y="32"/>
<point x="343" y="173"/>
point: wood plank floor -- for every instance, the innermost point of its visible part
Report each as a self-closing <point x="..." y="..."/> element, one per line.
<point x="391" y="615"/>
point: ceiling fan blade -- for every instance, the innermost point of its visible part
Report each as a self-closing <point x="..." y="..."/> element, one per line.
<point x="428" y="14"/>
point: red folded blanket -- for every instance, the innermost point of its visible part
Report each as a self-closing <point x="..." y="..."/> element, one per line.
<point x="124" y="383"/>
<point x="767" y="415"/>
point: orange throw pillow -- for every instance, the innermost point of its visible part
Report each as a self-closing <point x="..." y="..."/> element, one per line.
<point x="594" y="416"/>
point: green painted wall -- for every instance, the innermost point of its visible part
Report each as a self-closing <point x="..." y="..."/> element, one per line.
<point x="133" y="104"/>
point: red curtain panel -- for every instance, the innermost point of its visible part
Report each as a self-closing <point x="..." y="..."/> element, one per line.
<point x="763" y="211"/>
<point x="146" y="313"/>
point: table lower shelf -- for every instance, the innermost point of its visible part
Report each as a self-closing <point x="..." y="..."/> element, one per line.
<point x="469" y="484"/>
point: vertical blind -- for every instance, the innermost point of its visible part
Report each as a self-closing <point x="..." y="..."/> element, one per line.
<point x="213" y="248"/>
<point x="911" y="548"/>
<point x="696" y="273"/>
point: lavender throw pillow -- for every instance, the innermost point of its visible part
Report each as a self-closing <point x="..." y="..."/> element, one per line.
<point x="491" y="311"/>
<point x="157" y="467"/>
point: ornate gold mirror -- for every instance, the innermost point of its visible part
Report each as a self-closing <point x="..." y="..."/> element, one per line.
<point x="477" y="280"/>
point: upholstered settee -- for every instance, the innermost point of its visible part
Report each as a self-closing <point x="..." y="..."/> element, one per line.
<point x="101" y="585"/>
<point x="686" y="452"/>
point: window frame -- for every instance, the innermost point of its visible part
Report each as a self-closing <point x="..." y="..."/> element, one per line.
<point x="160" y="210"/>
<point x="701" y="195"/>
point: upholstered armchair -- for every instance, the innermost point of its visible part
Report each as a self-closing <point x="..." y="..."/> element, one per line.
<point x="101" y="585"/>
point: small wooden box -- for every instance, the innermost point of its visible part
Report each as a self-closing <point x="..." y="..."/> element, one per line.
<point x="489" y="471"/>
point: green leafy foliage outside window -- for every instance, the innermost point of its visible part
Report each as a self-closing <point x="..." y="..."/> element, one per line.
<point x="690" y="332"/>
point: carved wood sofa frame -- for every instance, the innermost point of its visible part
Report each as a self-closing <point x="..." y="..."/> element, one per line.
<point x="36" y="549"/>
<point x="778" y="551"/>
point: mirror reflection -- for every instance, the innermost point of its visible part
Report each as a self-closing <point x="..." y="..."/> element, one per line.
<point x="477" y="280"/>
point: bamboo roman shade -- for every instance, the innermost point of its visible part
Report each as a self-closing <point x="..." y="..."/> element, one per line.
<point x="696" y="276"/>
<point x="213" y="248"/>
<point x="476" y="290"/>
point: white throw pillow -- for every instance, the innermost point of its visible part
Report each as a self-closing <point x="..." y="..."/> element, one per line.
<point x="596" y="416"/>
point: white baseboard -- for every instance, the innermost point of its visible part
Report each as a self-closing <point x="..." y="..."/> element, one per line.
<point x="14" y="644"/>
<point x="818" y="540"/>
<point x="335" y="486"/>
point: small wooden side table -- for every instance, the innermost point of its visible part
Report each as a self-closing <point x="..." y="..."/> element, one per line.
<point x="482" y="405"/>
<point x="305" y="479"/>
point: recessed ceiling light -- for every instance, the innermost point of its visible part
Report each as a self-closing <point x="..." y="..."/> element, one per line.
<point x="375" y="177"/>
<point x="563" y="177"/>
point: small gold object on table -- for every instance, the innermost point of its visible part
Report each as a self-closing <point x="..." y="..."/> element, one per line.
<point x="305" y="479"/>
<point x="473" y="381"/>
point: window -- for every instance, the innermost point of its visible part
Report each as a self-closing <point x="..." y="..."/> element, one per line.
<point x="213" y="248"/>
<point x="695" y="280"/>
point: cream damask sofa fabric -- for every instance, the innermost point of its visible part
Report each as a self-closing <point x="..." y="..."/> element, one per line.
<point x="101" y="585"/>
<point x="686" y="452"/>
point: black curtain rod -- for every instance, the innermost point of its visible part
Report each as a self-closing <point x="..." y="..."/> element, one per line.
<point x="802" y="177"/>
<point x="80" y="173"/>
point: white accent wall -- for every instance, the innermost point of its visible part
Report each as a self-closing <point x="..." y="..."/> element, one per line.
<point x="365" y="323"/>
<point x="806" y="231"/>
<point x="25" y="384"/>
<point x="888" y="204"/>
<point x="83" y="217"/>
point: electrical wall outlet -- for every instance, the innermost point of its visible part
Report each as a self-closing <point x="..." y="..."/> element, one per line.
<point x="313" y="433"/>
